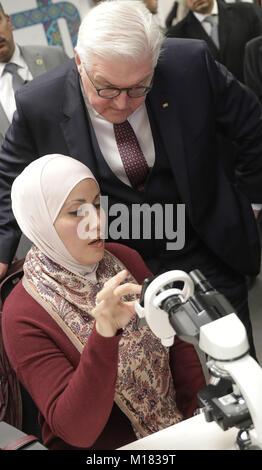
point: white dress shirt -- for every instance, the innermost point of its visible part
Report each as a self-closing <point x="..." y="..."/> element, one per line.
<point x="7" y="97"/>
<point x="104" y="132"/>
<point x="201" y="18"/>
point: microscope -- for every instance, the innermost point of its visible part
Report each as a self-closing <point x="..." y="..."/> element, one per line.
<point x="187" y="305"/>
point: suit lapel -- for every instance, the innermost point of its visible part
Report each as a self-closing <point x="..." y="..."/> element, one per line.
<point x="224" y="25"/>
<point x="34" y="60"/>
<point x="195" y="30"/>
<point x="4" y="123"/>
<point x="75" y="125"/>
<point x="166" y="115"/>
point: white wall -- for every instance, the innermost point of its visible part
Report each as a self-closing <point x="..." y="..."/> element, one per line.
<point x="165" y="6"/>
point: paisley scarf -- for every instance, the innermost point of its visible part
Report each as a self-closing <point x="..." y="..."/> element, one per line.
<point x="144" y="388"/>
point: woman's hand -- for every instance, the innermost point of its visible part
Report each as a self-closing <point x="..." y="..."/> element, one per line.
<point x="111" y="312"/>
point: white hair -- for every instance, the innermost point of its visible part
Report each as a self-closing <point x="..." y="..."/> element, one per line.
<point x="119" y="28"/>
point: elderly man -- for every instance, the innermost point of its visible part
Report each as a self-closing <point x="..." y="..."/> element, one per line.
<point x="20" y="64"/>
<point x="136" y="119"/>
<point x="225" y="27"/>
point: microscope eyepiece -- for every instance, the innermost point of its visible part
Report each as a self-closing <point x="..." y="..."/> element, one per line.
<point x="200" y="281"/>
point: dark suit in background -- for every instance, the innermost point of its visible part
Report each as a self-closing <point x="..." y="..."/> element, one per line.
<point x="253" y="66"/>
<point x="172" y="14"/>
<point x="238" y="24"/>
<point x="39" y="60"/>
<point x="221" y="232"/>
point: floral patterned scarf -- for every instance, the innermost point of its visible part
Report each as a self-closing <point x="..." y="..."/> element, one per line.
<point x="144" y="387"/>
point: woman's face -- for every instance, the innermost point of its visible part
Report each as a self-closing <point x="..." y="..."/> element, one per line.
<point x="80" y="223"/>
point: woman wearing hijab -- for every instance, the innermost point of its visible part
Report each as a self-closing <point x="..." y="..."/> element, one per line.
<point x="69" y="326"/>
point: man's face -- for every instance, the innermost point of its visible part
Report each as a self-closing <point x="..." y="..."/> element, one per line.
<point x="200" y="6"/>
<point x="7" y="45"/>
<point x="119" y="74"/>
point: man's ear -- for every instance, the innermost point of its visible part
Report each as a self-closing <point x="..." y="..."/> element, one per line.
<point x="78" y="61"/>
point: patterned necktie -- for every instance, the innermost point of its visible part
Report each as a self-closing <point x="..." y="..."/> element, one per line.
<point x="131" y="154"/>
<point x="17" y="81"/>
<point x="212" y="20"/>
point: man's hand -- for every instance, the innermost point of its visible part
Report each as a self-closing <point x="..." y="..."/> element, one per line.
<point x="3" y="270"/>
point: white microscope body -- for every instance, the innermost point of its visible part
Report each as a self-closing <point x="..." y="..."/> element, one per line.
<point x="199" y="314"/>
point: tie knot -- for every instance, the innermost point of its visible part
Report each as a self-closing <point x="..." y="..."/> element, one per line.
<point x="213" y="22"/>
<point x="11" y="67"/>
<point x="122" y="126"/>
<point x="17" y="80"/>
<point x="212" y="19"/>
<point x="124" y="132"/>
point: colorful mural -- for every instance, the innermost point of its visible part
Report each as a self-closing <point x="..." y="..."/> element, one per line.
<point x="47" y="13"/>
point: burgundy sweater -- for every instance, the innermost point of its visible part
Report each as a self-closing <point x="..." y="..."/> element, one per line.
<point x="75" y="393"/>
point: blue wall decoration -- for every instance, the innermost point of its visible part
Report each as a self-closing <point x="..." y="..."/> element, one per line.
<point x="47" y="13"/>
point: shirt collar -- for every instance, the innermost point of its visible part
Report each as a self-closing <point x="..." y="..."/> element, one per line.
<point x="201" y="16"/>
<point x="16" y="59"/>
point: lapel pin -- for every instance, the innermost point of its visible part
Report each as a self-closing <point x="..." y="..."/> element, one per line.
<point x="39" y="61"/>
<point x="165" y="105"/>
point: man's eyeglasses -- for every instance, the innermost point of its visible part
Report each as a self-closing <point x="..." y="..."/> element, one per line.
<point x="112" y="92"/>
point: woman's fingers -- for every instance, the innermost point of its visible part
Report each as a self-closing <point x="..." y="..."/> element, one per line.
<point x="115" y="294"/>
<point x="128" y="288"/>
<point x="116" y="280"/>
<point x="111" y="313"/>
<point x="111" y="284"/>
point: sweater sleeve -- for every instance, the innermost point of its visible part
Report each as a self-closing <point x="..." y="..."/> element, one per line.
<point x="76" y="401"/>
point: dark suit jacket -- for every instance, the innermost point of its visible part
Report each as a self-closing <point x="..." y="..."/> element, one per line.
<point x="253" y="65"/>
<point x="39" y="60"/>
<point x="238" y="23"/>
<point x="51" y="118"/>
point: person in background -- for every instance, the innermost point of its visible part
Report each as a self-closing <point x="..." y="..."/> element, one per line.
<point x="177" y="12"/>
<point x="19" y="65"/>
<point x="152" y="5"/>
<point x="253" y="64"/>
<point x="69" y="326"/>
<point x="226" y="28"/>
<point x="130" y="111"/>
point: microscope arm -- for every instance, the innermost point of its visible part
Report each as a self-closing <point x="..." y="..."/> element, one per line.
<point x="225" y="338"/>
<point x="199" y="314"/>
